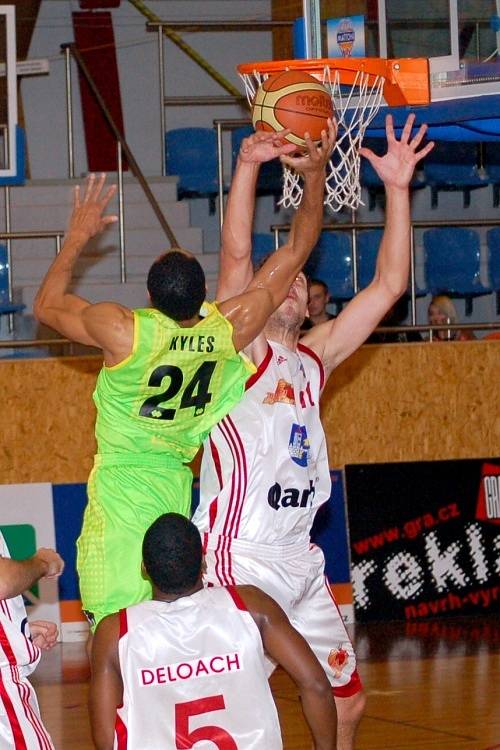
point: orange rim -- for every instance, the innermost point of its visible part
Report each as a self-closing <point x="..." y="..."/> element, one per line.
<point x="406" y="79"/>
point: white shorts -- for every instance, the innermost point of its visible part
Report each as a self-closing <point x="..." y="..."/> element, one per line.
<point x="20" y="723"/>
<point x="294" y="577"/>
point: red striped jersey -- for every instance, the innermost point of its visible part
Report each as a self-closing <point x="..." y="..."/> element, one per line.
<point x="16" y="647"/>
<point x="194" y="676"/>
<point x="265" y="471"/>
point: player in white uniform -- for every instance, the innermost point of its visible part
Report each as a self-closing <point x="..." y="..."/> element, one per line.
<point x="265" y="467"/>
<point x="20" y="649"/>
<point x="188" y="668"/>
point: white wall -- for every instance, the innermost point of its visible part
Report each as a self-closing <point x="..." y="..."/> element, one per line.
<point x="44" y="97"/>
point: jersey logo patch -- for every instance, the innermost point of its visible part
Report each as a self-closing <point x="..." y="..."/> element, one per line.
<point x="337" y="660"/>
<point x="283" y="394"/>
<point x="280" y="359"/>
<point x="298" y="445"/>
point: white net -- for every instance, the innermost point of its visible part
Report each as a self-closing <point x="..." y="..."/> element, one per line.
<point x="355" y="107"/>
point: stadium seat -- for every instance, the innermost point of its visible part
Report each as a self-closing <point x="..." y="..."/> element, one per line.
<point x="453" y="166"/>
<point x="331" y="262"/>
<point x="491" y="160"/>
<point x="493" y="240"/>
<point x="262" y="245"/>
<point x="368" y="244"/>
<point x="270" y="180"/>
<point x="191" y="154"/>
<point x="6" y="307"/>
<point x="452" y="263"/>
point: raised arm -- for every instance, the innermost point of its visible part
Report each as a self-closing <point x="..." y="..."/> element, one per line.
<point x="18" y="575"/>
<point x="235" y="271"/>
<point x="269" y="287"/>
<point x="106" y="686"/>
<point x="337" y="339"/>
<point x="106" y="325"/>
<point x="286" y="646"/>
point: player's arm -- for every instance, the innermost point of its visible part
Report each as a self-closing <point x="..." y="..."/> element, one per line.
<point x="72" y="316"/>
<point x="249" y="312"/>
<point x="287" y="647"/>
<point x="18" y="575"/>
<point x="335" y="340"/>
<point x="106" y="686"/>
<point x="235" y="270"/>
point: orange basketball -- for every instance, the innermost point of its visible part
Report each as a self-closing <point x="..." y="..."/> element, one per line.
<point x="292" y="100"/>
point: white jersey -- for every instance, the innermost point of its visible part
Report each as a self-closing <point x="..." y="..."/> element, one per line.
<point x="16" y="647"/>
<point x="265" y="469"/>
<point x="20" y="723"/>
<point x="193" y="674"/>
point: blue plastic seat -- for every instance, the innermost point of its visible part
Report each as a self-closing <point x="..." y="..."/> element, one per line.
<point x="6" y="307"/>
<point x="262" y="245"/>
<point x="453" y="165"/>
<point x="331" y="262"/>
<point x="368" y="244"/>
<point x="270" y="180"/>
<point x="452" y="257"/>
<point x="191" y="154"/>
<point x="493" y="240"/>
<point x="491" y="159"/>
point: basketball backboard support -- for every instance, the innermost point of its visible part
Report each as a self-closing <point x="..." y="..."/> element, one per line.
<point x="8" y="156"/>
<point x="460" y="38"/>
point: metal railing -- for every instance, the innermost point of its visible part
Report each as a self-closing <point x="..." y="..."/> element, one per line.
<point x="71" y="51"/>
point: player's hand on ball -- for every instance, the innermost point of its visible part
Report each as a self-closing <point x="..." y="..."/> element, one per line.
<point x="261" y="147"/>
<point x="315" y="156"/>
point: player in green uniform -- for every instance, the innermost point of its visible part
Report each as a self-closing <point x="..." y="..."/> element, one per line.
<point x="170" y="373"/>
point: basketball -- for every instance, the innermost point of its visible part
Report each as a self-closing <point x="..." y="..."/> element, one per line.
<point x="292" y="100"/>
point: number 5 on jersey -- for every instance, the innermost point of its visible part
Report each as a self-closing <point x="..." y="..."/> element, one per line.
<point x="184" y="739"/>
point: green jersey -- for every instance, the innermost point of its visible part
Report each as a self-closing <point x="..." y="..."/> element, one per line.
<point x="175" y="385"/>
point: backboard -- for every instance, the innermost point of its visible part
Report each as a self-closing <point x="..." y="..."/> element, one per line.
<point x="8" y="92"/>
<point x="460" y="38"/>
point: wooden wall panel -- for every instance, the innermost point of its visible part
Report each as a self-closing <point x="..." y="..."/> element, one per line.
<point x="47" y="419"/>
<point x="386" y="403"/>
<point x="414" y="403"/>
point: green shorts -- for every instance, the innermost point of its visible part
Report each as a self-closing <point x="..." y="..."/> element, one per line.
<point x="123" y="501"/>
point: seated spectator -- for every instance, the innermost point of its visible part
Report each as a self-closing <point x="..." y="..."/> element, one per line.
<point x="396" y="316"/>
<point x="442" y="311"/>
<point x="319" y="297"/>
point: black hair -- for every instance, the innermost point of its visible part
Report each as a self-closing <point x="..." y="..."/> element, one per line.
<point x="318" y="282"/>
<point x="176" y="285"/>
<point x="172" y="553"/>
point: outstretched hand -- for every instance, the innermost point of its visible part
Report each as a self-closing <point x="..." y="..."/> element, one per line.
<point x="315" y="157"/>
<point x="260" y="147"/>
<point x="396" y="167"/>
<point x="87" y="218"/>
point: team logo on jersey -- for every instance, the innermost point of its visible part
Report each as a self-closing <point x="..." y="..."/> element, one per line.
<point x="337" y="660"/>
<point x="283" y="394"/>
<point x="298" y="445"/>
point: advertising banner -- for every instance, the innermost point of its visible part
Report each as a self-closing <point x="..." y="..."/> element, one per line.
<point x="424" y="538"/>
<point x="346" y="36"/>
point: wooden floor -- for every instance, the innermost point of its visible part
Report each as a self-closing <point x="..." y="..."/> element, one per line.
<point x="431" y="685"/>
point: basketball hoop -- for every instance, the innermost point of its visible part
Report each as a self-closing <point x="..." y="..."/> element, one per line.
<point x="357" y="87"/>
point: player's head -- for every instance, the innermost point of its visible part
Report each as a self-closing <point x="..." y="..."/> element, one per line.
<point x="176" y="285"/>
<point x="292" y="311"/>
<point x="172" y="554"/>
<point x="318" y="297"/>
